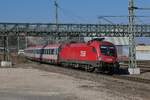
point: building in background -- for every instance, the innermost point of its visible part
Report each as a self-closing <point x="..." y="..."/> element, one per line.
<point x="143" y="52"/>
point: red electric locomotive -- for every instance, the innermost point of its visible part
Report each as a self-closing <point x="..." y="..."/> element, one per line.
<point x="95" y="54"/>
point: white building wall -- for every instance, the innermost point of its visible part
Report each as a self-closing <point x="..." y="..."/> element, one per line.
<point x="143" y="55"/>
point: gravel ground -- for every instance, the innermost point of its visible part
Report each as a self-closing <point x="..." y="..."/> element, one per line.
<point x="144" y="69"/>
<point x="27" y="83"/>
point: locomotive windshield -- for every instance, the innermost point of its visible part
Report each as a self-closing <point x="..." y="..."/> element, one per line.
<point x="107" y="50"/>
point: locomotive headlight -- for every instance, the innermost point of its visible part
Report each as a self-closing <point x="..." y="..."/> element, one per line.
<point x="99" y="58"/>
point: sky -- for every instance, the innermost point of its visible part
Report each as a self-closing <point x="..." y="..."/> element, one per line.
<point x="70" y="11"/>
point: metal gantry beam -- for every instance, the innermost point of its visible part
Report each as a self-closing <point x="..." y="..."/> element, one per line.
<point x="42" y="29"/>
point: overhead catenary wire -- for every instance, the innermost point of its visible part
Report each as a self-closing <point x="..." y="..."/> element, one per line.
<point x="72" y="15"/>
<point x="68" y="16"/>
<point x="76" y="18"/>
<point x="138" y="8"/>
<point x="123" y="16"/>
<point x="137" y="17"/>
<point x="139" y="20"/>
<point x="105" y="19"/>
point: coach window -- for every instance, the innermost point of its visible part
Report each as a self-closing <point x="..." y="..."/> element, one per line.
<point x="43" y="51"/>
<point x="56" y="51"/>
<point x="46" y="51"/>
<point x="37" y="51"/>
<point x="40" y="51"/>
<point x="49" y="51"/>
<point x="52" y="51"/>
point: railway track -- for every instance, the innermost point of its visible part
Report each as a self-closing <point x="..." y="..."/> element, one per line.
<point x="143" y="65"/>
<point x="139" y="65"/>
<point x="95" y="76"/>
<point x="134" y="79"/>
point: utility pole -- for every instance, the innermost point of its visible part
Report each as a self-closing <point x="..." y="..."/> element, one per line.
<point x="18" y="43"/>
<point x="6" y="61"/>
<point x="132" y="45"/>
<point x="26" y="40"/>
<point x="56" y="18"/>
<point x="5" y="48"/>
<point x="56" y="11"/>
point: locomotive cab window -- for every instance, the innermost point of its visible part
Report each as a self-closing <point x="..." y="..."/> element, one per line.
<point x="94" y="50"/>
<point x="107" y="50"/>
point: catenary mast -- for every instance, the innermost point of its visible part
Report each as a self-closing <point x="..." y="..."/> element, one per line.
<point x="132" y="45"/>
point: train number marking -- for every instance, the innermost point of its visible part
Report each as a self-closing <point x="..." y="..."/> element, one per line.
<point x="83" y="53"/>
